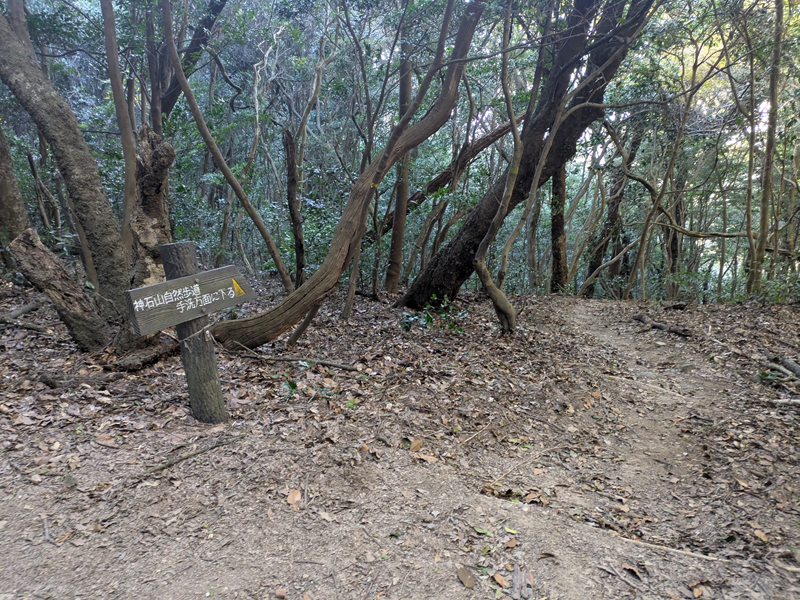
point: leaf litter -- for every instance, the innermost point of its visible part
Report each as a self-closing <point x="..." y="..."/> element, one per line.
<point x="583" y="457"/>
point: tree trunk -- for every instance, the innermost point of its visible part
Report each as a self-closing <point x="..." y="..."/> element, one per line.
<point x="13" y="216"/>
<point x="38" y="191"/>
<point x="124" y="120"/>
<point x="419" y="243"/>
<point x="214" y="149"/>
<point x="191" y="54"/>
<point x="456" y="167"/>
<point x="75" y="161"/>
<point x="558" y="245"/>
<point x="754" y="276"/>
<point x="150" y="213"/>
<point x="401" y="192"/>
<point x="294" y="208"/>
<point x="674" y="242"/>
<point x="613" y="224"/>
<point x="260" y="329"/>
<point x="502" y="307"/>
<point x="450" y="268"/>
<point x="76" y="309"/>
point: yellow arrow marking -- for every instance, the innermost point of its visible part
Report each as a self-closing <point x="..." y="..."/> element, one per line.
<point x="237" y="289"/>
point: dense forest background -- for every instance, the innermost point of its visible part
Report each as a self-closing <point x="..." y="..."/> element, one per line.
<point x="617" y="149"/>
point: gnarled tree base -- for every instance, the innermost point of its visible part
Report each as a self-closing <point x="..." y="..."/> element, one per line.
<point x="77" y="310"/>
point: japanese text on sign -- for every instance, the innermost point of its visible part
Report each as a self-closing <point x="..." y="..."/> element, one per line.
<point x="184" y="298"/>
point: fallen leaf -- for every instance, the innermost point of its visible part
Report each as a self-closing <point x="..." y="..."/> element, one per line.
<point x="416" y="445"/>
<point x="632" y="570"/>
<point x="294" y="497"/>
<point x="306" y="597"/>
<point x="698" y="591"/>
<point x="426" y="457"/>
<point x="509" y="530"/>
<point x="105" y="440"/>
<point x="596" y="394"/>
<point x="64" y="537"/>
<point x="483" y="531"/>
<point x="501" y="581"/>
<point x="466" y="577"/>
<point x="761" y="535"/>
<point x="512" y="543"/>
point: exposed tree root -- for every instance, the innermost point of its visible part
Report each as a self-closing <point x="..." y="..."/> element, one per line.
<point x="166" y="346"/>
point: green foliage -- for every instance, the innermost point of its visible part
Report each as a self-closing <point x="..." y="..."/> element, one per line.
<point x="441" y="317"/>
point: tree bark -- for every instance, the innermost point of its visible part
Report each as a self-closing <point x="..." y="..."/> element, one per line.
<point x="193" y="52"/>
<point x="124" y="120"/>
<point x="13" y="216"/>
<point x="18" y="22"/>
<point x="86" y="255"/>
<point x="57" y="122"/>
<point x="449" y="269"/>
<point x="77" y="310"/>
<point x="558" y="277"/>
<point x="294" y="208"/>
<point x="754" y="276"/>
<point x="401" y="191"/>
<point x="150" y="214"/>
<point x="260" y="329"/>
<point x="502" y="307"/>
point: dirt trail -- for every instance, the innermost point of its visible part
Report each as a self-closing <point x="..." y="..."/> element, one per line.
<point x="583" y="459"/>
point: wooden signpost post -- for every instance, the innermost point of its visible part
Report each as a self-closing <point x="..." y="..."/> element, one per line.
<point x="185" y="300"/>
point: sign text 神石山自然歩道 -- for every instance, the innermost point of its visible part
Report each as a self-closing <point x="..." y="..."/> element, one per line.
<point x="161" y="305"/>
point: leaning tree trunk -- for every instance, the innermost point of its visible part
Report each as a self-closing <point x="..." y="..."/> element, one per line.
<point x="502" y="307"/>
<point x="76" y="309"/>
<point x="450" y="268"/>
<point x="260" y="329"/>
<point x="215" y="152"/>
<point x="42" y="268"/>
<point x="57" y="122"/>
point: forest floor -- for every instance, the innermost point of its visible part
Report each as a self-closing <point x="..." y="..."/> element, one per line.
<point x="585" y="457"/>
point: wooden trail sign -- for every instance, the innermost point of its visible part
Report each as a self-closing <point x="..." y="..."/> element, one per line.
<point x="185" y="300"/>
<point x="161" y="305"/>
